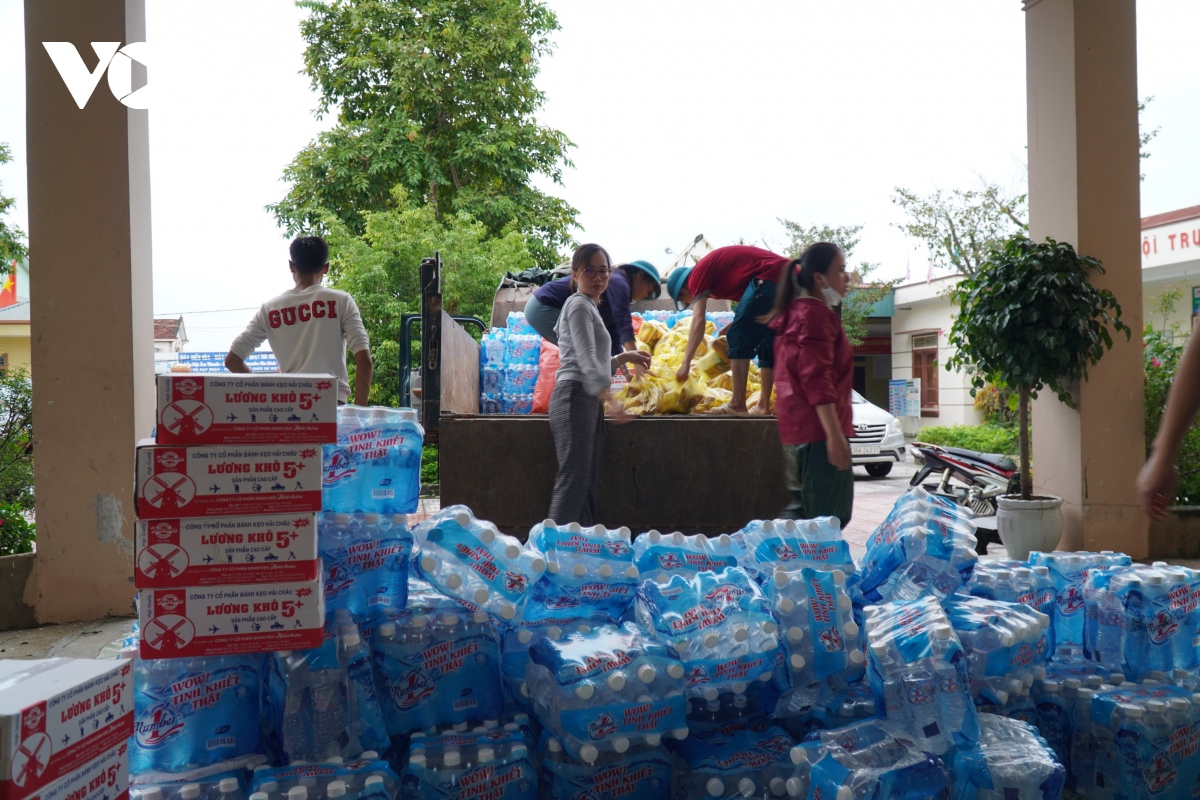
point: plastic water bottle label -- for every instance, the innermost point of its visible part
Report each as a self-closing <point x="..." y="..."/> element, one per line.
<point x="448" y="682"/>
<point x="505" y="779"/>
<point x="645" y="775"/>
<point x="476" y="557"/>
<point x="604" y="722"/>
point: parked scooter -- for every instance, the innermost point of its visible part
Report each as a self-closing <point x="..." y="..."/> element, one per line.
<point x="971" y="479"/>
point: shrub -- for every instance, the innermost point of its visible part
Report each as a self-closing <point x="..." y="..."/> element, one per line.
<point x="997" y="404"/>
<point x="16" y="533"/>
<point x="429" y="465"/>
<point x="984" y="438"/>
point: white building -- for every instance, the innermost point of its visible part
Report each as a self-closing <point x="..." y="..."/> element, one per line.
<point x="924" y="313"/>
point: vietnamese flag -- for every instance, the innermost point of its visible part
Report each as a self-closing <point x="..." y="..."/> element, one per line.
<point x="8" y="291"/>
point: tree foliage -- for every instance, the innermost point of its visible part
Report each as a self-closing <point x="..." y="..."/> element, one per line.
<point x="864" y="294"/>
<point x="1161" y="356"/>
<point x="16" y="439"/>
<point x="958" y="228"/>
<point x="437" y="96"/>
<point x="12" y="238"/>
<point x="380" y="268"/>
<point x="1030" y="318"/>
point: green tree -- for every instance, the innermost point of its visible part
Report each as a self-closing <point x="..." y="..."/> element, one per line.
<point x="380" y="268"/>
<point x="437" y="96"/>
<point x="12" y="238"/>
<point x="864" y="293"/>
<point x="958" y="228"/>
<point x="1030" y="318"/>
<point x="16" y="439"/>
<point x="1145" y="137"/>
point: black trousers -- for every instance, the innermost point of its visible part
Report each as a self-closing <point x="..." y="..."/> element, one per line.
<point x="577" y="423"/>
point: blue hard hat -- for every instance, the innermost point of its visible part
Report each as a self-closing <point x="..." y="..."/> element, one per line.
<point x="652" y="272"/>
<point x="676" y="282"/>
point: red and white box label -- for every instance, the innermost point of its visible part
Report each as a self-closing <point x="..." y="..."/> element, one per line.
<point x="227" y="480"/>
<point x="220" y="551"/>
<point x="103" y="778"/>
<point x="228" y="408"/>
<point x="57" y="718"/>
<point x="227" y="620"/>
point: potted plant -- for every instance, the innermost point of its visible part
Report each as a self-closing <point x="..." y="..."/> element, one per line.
<point x="1030" y="318"/>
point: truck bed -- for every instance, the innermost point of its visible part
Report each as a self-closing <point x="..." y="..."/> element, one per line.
<point x="688" y="473"/>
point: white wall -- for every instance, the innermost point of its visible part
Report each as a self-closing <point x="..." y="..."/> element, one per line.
<point x="923" y="309"/>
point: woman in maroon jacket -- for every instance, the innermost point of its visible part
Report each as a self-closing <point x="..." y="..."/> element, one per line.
<point x="814" y="375"/>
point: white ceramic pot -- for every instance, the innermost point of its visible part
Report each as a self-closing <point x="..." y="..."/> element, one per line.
<point x="1026" y="525"/>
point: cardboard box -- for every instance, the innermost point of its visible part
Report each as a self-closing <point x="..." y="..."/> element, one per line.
<point x="223" y="551"/>
<point x="227" y="480"/>
<point x="229" y="408"/>
<point x="103" y="778"/>
<point x="225" y="620"/>
<point x="58" y="717"/>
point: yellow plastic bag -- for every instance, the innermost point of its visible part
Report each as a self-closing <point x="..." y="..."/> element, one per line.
<point x="722" y="381"/>
<point x="715" y="361"/>
<point x="651" y="332"/>
<point x="678" y="398"/>
<point x="713" y="399"/>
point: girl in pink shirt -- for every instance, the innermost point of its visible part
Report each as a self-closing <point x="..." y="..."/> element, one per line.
<point x="814" y="375"/>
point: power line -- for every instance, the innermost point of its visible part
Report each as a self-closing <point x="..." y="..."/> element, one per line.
<point x="209" y="311"/>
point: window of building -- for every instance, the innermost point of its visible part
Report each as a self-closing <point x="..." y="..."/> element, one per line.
<point x="925" y="367"/>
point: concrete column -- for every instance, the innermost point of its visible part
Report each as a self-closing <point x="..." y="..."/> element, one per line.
<point x="89" y="237"/>
<point x="1081" y="62"/>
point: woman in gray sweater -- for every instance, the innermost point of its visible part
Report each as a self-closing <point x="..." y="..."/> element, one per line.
<point x="581" y="388"/>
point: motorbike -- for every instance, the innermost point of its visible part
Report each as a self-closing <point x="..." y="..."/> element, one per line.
<point x="971" y="479"/>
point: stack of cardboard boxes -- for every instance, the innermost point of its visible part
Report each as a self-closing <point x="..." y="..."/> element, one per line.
<point x="227" y="502"/>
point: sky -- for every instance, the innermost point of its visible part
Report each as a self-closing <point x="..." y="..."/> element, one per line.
<point x="687" y="118"/>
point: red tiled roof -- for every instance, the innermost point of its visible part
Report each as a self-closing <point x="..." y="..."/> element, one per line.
<point x="167" y="328"/>
<point x="1171" y="216"/>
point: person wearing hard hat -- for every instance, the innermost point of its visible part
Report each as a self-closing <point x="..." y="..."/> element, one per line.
<point x="628" y="283"/>
<point x="745" y="274"/>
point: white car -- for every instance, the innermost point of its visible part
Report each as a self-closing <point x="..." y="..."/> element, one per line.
<point x="878" y="441"/>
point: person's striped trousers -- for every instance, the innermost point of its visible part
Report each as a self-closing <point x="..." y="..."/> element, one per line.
<point x="577" y="424"/>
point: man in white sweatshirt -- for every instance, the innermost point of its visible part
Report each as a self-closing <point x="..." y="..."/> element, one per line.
<point x="310" y="326"/>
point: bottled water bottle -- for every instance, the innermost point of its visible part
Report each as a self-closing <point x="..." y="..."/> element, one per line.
<point x="752" y="765"/>
<point x="341" y="468"/>
<point x="1054" y="718"/>
<point x="230" y="789"/>
<point x="336" y="534"/>
<point x="1011" y="761"/>
<point x="376" y="445"/>
<point x="607" y="689"/>
<point x="407" y="463"/>
<point x="913" y="651"/>
<point x="1068" y="572"/>
<point x="366" y="715"/>
<point x="471" y="561"/>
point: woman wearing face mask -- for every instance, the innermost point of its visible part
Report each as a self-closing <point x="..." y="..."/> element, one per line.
<point x="581" y="388"/>
<point x="814" y="375"/>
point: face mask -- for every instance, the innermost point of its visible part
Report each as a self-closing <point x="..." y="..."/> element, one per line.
<point x="831" y="297"/>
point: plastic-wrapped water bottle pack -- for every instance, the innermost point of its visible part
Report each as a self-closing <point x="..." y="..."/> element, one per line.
<point x="659" y="556"/>
<point x="1141" y="619"/>
<point x="365" y="560"/>
<point x="487" y="762"/>
<point x="509" y="367"/>
<point x="607" y="689"/>
<point x="471" y="561"/>
<point x="1016" y="582"/>
<point x="1005" y="645"/>
<point x="923" y="548"/>
<point x="227" y="782"/>
<point x="589" y="573"/>
<point x="1012" y="759"/>
<point x="869" y="759"/>
<point x="1068" y="572"/>
<point x="819" y="635"/>
<point x="918" y="673"/>
<point x="193" y="712"/>
<point x="375" y="466"/>
<point x="363" y="778"/>
<point x="747" y="764"/>
<point x="768" y="546"/>
<point x="721" y="625"/>
<point x="640" y="773"/>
